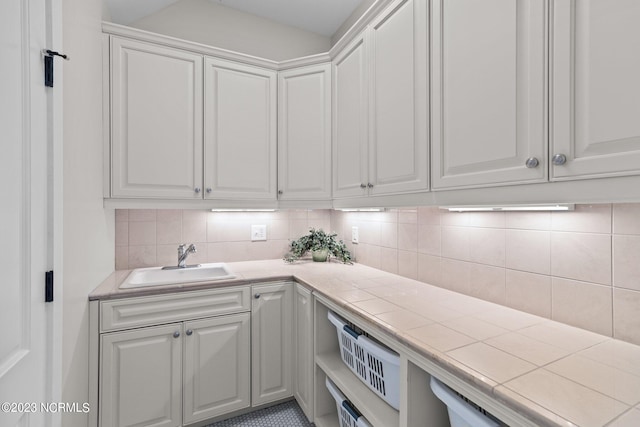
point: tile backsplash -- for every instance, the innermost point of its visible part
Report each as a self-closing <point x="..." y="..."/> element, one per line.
<point x="581" y="268"/>
<point x="149" y="237"/>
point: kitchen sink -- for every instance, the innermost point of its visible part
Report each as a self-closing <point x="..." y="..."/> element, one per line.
<point x="143" y="277"/>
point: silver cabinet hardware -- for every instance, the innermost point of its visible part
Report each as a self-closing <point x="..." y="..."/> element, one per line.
<point x="363" y="185"/>
<point x="209" y="190"/>
<point x="197" y="190"/>
<point x="370" y="185"/>
<point x="256" y="296"/>
<point x="279" y="191"/>
<point x="189" y="332"/>
<point x="532" y="162"/>
<point x="176" y="334"/>
<point x="559" y="159"/>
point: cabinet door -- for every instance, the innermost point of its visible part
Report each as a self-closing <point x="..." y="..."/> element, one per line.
<point x="304" y="136"/>
<point x="595" y="67"/>
<point x="398" y="144"/>
<point x="216" y="366"/>
<point x="271" y="343"/>
<point x="350" y="79"/>
<point x="303" y="339"/>
<point x="141" y="377"/>
<point x="156" y="113"/>
<point x="488" y="92"/>
<point x="239" y="131"/>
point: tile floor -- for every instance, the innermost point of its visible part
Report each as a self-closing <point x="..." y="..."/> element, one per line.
<point x="286" y="414"/>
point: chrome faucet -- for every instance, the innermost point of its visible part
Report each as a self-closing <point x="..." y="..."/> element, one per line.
<point x="183" y="253"/>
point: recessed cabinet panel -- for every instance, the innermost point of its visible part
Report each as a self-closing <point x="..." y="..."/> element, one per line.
<point x="271" y="343"/>
<point x="595" y="69"/>
<point x="350" y="140"/>
<point x="216" y="366"/>
<point x="240" y="130"/>
<point x="141" y="377"/>
<point x="156" y="145"/>
<point x="488" y="92"/>
<point x="398" y="155"/>
<point x="304" y="138"/>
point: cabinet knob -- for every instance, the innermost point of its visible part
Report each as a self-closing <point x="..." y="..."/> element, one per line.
<point x="256" y="296"/>
<point x="197" y="190"/>
<point x="279" y="191"/>
<point x="559" y="159"/>
<point x="209" y="190"/>
<point x="363" y="185"/>
<point x="532" y="162"/>
<point x="189" y="332"/>
<point x="176" y="334"/>
<point x="370" y="185"/>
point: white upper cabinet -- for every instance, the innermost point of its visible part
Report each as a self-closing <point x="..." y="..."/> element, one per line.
<point x="398" y="114"/>
<point x="595" y="97"/>
<point x="240" y="131"/>
<point x="156" y="121"/>
<point x="304" y="136"/>
<point x="380" y="106"/>
<point x="350" y="143"/>
<point x="488" y="95"/>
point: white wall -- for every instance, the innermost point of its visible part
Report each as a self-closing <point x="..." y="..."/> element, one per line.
<point x="212" y="24"/>
<point x="88" y="236"/>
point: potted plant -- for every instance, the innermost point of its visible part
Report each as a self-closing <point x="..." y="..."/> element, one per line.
<point x="321" y="245"/>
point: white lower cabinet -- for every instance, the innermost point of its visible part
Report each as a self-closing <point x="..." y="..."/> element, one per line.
<point x="271" y="342"/>
<point x="175" y="374"/>
<point x="216" y="367"/>
<point x="141" y="377"/>
<point x="303" y="351"/>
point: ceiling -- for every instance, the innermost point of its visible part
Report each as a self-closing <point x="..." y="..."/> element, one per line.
<point x="318" y="16"/>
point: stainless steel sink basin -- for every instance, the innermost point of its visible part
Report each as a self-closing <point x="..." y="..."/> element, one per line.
<point x="143" y="277"/>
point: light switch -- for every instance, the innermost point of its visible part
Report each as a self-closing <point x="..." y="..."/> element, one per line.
<point x="354" y="235"/>
<point x="258" y="232"/>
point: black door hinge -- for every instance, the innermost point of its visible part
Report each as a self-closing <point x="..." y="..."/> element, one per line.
<point x="48" y="65"/>
<point x="48" y="286"/>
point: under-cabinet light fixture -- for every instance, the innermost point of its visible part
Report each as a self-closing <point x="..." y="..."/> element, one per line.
<point x="512" y="208"/>
<point x="243" y="210"/>
<point x="360" y="209"/>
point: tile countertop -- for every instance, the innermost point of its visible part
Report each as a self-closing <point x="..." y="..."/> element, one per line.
<point x="555" y="374"/>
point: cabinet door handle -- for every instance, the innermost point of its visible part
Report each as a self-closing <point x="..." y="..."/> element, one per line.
<point x="189" y="332"/>
<point x="559" y="159"/>
<point x="197" y="190"/>
<point x="532" y="162"/>
<point x="363" y="185"/>
<point x="209" y="190"/>
<point x="176" y="334"/>
<point x="370" y="185"/>
<point x="256" y="296"/>
<point x="279" y="191"/>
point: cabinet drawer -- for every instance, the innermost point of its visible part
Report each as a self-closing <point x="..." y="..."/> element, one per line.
<point x="153" y="310"/>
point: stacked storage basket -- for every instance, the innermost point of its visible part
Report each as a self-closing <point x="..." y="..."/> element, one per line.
<point x="375" y="365"/>
<point x="462" y="412"/>
<point x="348" y="415"/>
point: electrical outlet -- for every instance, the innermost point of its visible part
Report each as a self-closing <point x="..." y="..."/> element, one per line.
<point x="354" y="235"/>
<point x="258" y="232"/>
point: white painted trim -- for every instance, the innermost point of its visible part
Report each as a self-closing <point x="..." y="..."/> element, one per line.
<point x="359" y="26"/>
<point x="320" y="58"/>
<point x="106" y="115"/>
<point x="136" y="34"/>
<point x="55" y="239"/>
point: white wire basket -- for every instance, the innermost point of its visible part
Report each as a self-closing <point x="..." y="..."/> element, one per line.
<point x="348" y="415"/>
<point x="377" y="366"/>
